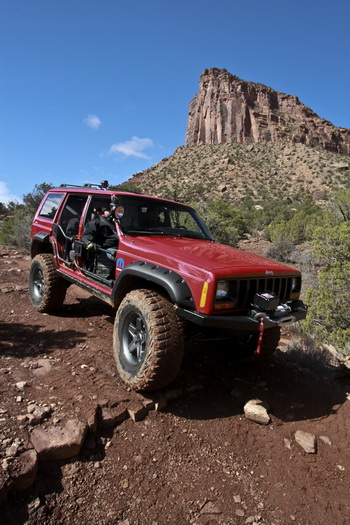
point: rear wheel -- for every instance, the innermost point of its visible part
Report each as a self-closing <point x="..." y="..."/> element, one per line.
<point x="47" y="290"/>
<point x="147" y="340"/>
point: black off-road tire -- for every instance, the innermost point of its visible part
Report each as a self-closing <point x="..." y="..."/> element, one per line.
<point x="47" y="290"/>
<point x="147" y="340"/>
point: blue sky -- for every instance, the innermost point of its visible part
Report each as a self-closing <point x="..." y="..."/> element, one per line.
<point x="99" y="89"/>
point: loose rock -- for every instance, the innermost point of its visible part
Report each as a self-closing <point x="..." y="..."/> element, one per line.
<point x="60" y="442"/>
<point x="255" y="411"/>
<point x="306" y="440"/>
<point x="26" y="469"/>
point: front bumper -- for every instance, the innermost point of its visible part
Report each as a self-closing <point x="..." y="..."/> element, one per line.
<point x="249" y="322"/>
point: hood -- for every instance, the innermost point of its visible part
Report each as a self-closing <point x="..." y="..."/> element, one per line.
<point x="211" y="257"/>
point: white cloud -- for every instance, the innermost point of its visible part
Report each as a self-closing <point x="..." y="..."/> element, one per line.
<point x="5" y="195"/>
<point x="133" y="147"/>
<point x="92" y="121"/>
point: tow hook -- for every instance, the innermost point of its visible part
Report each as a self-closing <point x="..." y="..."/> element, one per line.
<point x="262" y="317"/>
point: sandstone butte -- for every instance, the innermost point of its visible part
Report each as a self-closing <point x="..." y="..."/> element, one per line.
<point x="229" y="109"/>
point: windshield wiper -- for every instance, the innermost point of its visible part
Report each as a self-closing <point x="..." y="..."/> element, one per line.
<point x="156" y="231"/>
<point x="149" y="231"/>
<point x="191" y="235"/>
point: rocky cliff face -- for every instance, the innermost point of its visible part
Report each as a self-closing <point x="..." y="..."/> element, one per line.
<point x="228" y="109"/>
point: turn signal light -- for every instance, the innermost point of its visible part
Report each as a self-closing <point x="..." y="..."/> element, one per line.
<point x="224" y="306"/>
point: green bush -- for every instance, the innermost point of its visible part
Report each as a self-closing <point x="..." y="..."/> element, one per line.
<point x="7" y="231"/>
<point x="223" y="220"/>
<point x="32" y="200"/>
<point x="340" y="204"/>
<point x="332" y="243"/>
<point x="328" y="316"/>
<point x="300" y="227"/>
<point x="15" y="230"/>
<point x="126" y="186"/>
<point x="281" y="251"/>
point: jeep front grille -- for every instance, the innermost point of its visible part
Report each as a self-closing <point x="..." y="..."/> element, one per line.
<point x="243" y="290"/>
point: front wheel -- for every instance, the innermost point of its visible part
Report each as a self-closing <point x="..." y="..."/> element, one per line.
<point x="147" y="340"/>
<point x="47" y="290"/>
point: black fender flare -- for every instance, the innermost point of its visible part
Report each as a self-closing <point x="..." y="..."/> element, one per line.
<point x="174" y="284"/>
<point x="42" y="239"/>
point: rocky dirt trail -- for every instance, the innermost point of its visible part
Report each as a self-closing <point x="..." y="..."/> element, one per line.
<point x="78" y="447"/>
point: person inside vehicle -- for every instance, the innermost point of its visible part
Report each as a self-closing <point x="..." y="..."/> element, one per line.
<point x="99" y="233"/>
<point x="119" y="212"/>
<point x="72" y="227"/>
<point x="152" y="217"/>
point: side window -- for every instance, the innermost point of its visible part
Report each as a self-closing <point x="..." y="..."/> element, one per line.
<point x="71" y="213"/>
<point x="50" y="206"/>
<point x="97" y="205"/>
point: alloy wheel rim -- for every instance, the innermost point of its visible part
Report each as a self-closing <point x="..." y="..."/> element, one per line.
<point x="134" y="339"/>
<point x="39" y="284"/>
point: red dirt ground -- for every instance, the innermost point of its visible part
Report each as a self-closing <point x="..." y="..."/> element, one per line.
<point x="199" y="461"/>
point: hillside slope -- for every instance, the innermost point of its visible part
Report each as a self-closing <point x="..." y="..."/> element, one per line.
<point x="261" y="171"/>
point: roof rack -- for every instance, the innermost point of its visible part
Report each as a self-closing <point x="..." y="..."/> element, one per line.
<point x="102" y="186"/>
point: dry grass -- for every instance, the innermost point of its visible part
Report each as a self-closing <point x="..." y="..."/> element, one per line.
<point x="305" y="352"/>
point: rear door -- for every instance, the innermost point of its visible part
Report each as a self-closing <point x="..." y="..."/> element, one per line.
<point x="67" y="226"/>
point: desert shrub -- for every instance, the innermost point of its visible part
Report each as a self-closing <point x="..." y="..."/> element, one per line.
<point x="300" y="227"/>
<point x="126" y="186"/>
<point x="258" y="219"/>
<point x="328" y="316"/>
<point x="6" y="231"/>
<point x="15" y="230"/>
<point x="3" y="210"/>
<point x="332" y="243"/>
<point x="305" y="352"/>
<point x="281" y="251"/>
<point x="32" y="200"/>
<point x="223" y="220"/>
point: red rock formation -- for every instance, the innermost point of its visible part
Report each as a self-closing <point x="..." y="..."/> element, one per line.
<point x="228" y="109"/>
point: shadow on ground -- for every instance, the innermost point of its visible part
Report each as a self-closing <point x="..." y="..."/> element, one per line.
<point x="24" y="340"/>
<point x="294" y="394"/>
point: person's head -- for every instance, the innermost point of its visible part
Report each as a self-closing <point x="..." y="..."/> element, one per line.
<point x="152" y="214"/>
<point x="119" y="212"/>
<point x="116" y="211"/>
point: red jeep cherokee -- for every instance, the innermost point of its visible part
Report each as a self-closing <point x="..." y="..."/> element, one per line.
<point x="169" y="276"/>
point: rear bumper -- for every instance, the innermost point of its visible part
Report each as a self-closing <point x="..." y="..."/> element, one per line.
<point x="243" y="323"/>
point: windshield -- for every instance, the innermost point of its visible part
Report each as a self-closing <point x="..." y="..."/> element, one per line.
<point x="142" y="216"/>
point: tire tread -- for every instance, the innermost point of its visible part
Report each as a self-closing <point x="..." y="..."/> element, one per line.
<point x="55" y="286"/>
<point x="165" y="345"/>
